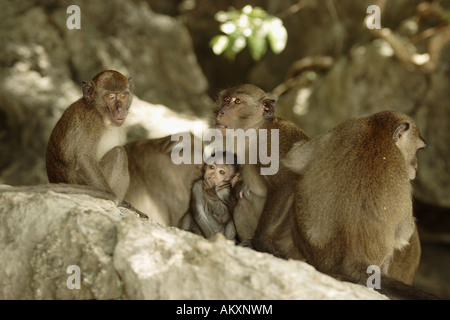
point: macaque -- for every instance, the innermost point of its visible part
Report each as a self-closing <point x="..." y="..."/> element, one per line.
<point x="85" y="145"/>
<point x="353" y="204"/>
<point x="268" y="198"/>
<point x="212" y="201"/>
<point x="158" y="187"/>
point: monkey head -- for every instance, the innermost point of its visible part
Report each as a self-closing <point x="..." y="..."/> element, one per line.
<point x="245" y="106"/>
<point x="406" y="137"/>
<point x="111" y="94"/>
<point x="218" y="172"/>
<point x="221" y="174"/>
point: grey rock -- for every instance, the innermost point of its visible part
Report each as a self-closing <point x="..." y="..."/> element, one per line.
<point x="123" y="257"/>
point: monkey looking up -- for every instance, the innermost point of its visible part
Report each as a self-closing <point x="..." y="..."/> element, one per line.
<point x="213" y="201"/>
<point x="271" y="196"/>
<point x="353" y="205"/>
<point x="85" y="145"/>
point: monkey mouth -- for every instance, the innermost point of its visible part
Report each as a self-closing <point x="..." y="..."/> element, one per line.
<point x="119" y="121"/>
<point x="221" y="126"/>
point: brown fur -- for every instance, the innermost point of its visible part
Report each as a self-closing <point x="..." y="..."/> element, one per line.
<point x="84" y="145"/>
<point x="244" y="107"/>
<point x="353" y="205"/>
<point x="159" y="187"/>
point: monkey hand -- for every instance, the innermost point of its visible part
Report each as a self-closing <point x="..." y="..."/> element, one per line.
<point x="209" y="186"/>
<point x="245" y="192"/>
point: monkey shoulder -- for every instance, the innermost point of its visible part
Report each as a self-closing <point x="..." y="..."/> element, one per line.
<point x="289" y="133"/>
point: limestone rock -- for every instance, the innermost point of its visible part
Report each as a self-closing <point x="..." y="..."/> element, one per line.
<point x="122" y="257"/>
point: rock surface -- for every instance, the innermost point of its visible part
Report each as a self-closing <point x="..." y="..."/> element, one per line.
<point x="123" y="257"/>
<point x="43" y="64"/>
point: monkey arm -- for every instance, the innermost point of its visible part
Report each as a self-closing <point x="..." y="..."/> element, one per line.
<point x="88" y="172"/>
<point x="273" y="231"/>
<point x="202" y="213"/>
<point x="220" y="205"/>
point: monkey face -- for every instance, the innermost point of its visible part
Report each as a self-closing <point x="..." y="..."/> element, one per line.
<point x="409" y="149"/>
<point x="118" y="104"/>
<point x="234" y="110"/>
<point x="111" y="94"/>
<point x="408" y="139"/>
<point x="217" y="172"/>
<point x="245" y="106"/>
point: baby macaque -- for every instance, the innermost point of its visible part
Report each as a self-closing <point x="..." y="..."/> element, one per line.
<point x="212" y="201"/>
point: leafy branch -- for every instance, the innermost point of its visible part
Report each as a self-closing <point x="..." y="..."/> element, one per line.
<point x="249" y="26"/>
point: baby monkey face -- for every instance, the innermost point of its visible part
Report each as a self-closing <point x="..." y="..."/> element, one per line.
<point x="217" y="172"/>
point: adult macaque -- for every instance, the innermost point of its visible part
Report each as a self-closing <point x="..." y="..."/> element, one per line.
<point x="158" y="187"/>
<point x="85" y="145"/>
<point x="212" y="201"/>
<point x="353" y="204"/>
<point x="249" y="107"/>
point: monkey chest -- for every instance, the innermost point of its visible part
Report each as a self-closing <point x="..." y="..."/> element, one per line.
<point x="109" y="139"/>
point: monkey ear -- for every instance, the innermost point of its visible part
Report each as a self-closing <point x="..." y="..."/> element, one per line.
<point x="400" y="131"/>
<point x="88" y="90"/>
<point x="131" y="83"/>
<point x="269" y="108"/>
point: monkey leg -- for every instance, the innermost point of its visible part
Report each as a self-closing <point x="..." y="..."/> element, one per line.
<point x="114" y="166"/>
<point x="273" y="233"/>
<point x="406" y="261"/>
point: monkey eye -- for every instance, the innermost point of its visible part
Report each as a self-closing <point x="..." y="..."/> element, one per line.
<point x="212" y="167"/>
<point x="222" y="172"/>
<point x="122" y="95"/>
<point x="238" y="101"/>
<point x="226" y="99"/>
<point x="110" y="97"/>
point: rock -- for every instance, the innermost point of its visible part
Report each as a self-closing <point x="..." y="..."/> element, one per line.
<point x="122" y="257"/>
<point x="43" y="63"/>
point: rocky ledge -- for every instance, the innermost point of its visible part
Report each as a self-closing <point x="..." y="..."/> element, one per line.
<point x="52" y="244"/>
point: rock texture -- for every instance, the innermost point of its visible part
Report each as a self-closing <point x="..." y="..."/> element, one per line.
<point x="43" y="64"/>
<point x="123" y="257"/>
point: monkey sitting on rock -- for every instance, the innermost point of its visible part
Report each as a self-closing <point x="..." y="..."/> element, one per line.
<point x="85" y="146"/>
<point x="353" y="206"/>
<point x="213" y="199"/>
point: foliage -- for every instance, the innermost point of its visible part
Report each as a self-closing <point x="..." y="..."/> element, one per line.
<point x="250" y="26"/>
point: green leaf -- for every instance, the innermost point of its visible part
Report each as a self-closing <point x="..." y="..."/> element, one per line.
<point x="257" y="45"/>
<point x="238" y="44"/>
<point x="219" y="44"/>
<point x="228" y="27"/>
<point x="250" y="26"/>
<point x="277" y="35"/>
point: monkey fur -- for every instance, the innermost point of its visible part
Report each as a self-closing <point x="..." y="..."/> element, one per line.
<point x="85" y="145"/>
<point x="212" y="202"/>
<point x="268" y="198"/>
<point x="353" y="204"/>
